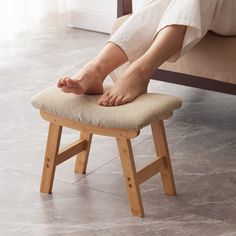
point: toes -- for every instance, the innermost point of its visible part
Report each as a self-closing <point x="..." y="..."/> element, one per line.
<point x="112" y="101"/>
<point x="126" y="100"/>
<point x="106" y="100"/>
<point x="62" y="82"/>
<point x="104" y="96"/>
<point x="72" y="86"/>
<point x="59" y="83"/>
<point x="118" y="101"/>
<point x="72" y="83"/>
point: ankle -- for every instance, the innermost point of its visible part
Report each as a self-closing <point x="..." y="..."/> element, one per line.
<point x="143" y="71"/>
<point x="99" y="67"/>
<point x="147" y="65"/>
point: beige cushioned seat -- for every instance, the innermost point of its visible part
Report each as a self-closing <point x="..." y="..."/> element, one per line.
<point x="84" y="108"/>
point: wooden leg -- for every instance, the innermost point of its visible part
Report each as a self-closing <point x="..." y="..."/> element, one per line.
<point x="129" y="169"/>
<point x="82" y="157"/>
<point x="53" y="143"/>
<point x="159" y="136"/>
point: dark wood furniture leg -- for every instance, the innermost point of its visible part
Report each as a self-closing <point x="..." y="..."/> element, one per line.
<point x="124" y="7"/>
<point x="194" y="81"/>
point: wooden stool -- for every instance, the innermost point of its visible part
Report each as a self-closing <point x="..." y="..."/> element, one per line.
<point x="122" y="122"/>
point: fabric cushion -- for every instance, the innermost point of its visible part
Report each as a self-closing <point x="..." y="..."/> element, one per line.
<point x="84" y="108"/>
<point x="213" y="57"/>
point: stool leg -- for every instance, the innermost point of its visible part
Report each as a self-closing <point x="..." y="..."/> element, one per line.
<point x="161" y="145"/>
<point x="129" y="169"/>
<point x="53" y="143"/>
<point x="82" y="157"/>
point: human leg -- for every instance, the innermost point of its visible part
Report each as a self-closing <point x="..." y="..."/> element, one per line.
<point x="121" y="47"/>
<point x="136" y="36"/>
<point x="90" y="78"/>
<point x="198" y="17"/>
<point x="135" y="79"/>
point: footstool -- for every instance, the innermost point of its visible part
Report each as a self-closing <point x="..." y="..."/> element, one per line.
<point x="81" y="113"/>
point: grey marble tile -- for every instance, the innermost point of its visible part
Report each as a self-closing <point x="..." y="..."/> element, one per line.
<point x="79" y="210"/>
<point x="71" y="208"/>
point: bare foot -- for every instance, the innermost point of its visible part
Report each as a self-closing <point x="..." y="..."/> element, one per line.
<point x="132" y="84"/>
<point x="88" y="80"/>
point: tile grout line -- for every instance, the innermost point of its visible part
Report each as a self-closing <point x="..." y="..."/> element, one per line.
<point x="28" y="173"/>
<point x="95" y="170"/>
<point x="102" y="191"/>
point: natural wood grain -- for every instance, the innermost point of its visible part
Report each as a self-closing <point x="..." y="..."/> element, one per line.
<point x="159" y="137"/>
<point x="70" y="151"/>
<point x="81" y="147"/>
<point x="82" y="157"/>
<point x="113" y="132"/>
<point x="150" y="170"/>
<point x="53" y="143"/>
<point x="129" y="169"/>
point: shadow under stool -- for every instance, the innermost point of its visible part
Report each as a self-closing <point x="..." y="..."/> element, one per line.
<point x="81" y="113"/>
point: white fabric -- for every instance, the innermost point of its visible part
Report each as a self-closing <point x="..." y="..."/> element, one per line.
<point x="198" y="61"/>
<point x="138" y="32"/>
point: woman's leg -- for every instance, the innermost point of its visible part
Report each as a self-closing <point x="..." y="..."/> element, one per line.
<point x="136" y="33"/>
<point x="183" y="24"/>
<point x="134" y="41"/>
<point x="135" y="79"/>
<point x="90" y="79"/>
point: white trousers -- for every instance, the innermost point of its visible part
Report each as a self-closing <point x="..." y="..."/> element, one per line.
<point x="137" y="34"/>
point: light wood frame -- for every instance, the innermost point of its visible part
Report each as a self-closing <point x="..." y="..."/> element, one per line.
<point x="133" y="178"/>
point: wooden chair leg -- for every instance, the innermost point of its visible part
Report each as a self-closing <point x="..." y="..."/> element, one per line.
<point x="129" y="169"/>
<point x="82" y="157"/>
<point x="53" y="143"/>
<point x="161" y="145"/>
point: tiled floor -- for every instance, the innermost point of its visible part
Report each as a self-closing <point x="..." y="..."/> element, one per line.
<point x="202" y="142"/>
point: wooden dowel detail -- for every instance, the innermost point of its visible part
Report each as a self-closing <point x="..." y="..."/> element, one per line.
<point x="70" y="151"/>
<point x="129" y="169"/>
<point x="150" y="170"/>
